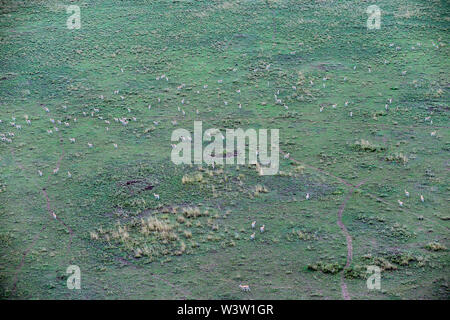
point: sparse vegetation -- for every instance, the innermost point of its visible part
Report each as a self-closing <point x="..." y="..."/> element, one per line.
<point x="85" y="146"/>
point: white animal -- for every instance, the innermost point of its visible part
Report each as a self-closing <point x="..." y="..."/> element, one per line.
<point x="253" y="224"/>
<point x="69" y="174"/>
<point x="156" y="196"/>
<point x="406" y="193"/>
<point x="244" y="287"/>
<point x="262" y="228"/>
<point x="307" y="196"/>
<point x="400" y="203"/>
<point x="421" y="198"/>
<point x="40" y="173"/>
<point x="252" y="236"/>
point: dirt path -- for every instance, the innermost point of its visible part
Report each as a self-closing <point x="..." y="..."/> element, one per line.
<point x="348" y="238"/>
<point x="52" y="214"/>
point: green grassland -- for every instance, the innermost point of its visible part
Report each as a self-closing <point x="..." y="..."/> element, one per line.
<point x="194" y="242"/>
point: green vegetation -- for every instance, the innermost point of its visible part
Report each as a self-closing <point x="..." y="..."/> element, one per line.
<point x="87" y="117"/>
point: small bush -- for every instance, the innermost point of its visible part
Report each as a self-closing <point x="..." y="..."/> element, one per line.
<point x="364" y="145"/>
<point x="435" y="246"/>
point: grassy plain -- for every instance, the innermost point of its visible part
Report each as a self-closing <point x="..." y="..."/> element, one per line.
<point x="194" y="242"/>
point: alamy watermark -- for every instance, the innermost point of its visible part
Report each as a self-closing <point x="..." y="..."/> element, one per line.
<point x="374" y="19"/>
<point x="74" y="280"/>
<point x="374" y="280"/>
<point x="218" y="153"/>
<point x="74" y="20"/>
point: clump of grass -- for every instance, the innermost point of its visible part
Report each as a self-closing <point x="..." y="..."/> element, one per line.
<point x="302" y="235"/>
<point x="365" y="145"/>
<point x="190" y="212"/>
<point x="181" y="219"/>
<point x="138" y="252"/>
<point x="399" y="231"/>
<point x="435" y="246"/>
<point x="187" y="234"/>
<point x="94" y="235"/>
<point x="355" y="272"/>
<point x="191" y="179"/>
<point x="181" y="250"/>
<point x="260" y="189"/>
<point x="403" y="259"/>
<point x="299" y="169"/>
<point x="154" y="224"/>
<point x="383" y="263"/>
<point x="332" y="268"/>
<point x="397" y="157"/>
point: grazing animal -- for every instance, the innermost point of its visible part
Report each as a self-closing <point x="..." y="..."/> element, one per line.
<point x="307" y="196"/>
<point x="253" y="224"/>
<point x="407" y="193"/>
<point x="40" y="173"/>
<point x="156" y="196"/>
<point x="262" y="228"/>
<point x="69" y="174"/>
<point x="286" y="156"/>
<point x="55" y="171"/>
<point x="421" y="198"/>
<point x="89" y="145"/>
<point x="400" y="203"/>
<point x="54" y="215"/>
<point x="252" y="236"/>
<point x="244" y="287"/>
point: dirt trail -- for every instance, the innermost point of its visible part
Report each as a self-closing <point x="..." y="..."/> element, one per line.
<point x="52" y="214"/>
<point x="348" y="238"/>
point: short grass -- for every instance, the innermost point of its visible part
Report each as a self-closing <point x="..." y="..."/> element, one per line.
<point x="334" y="78"/>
